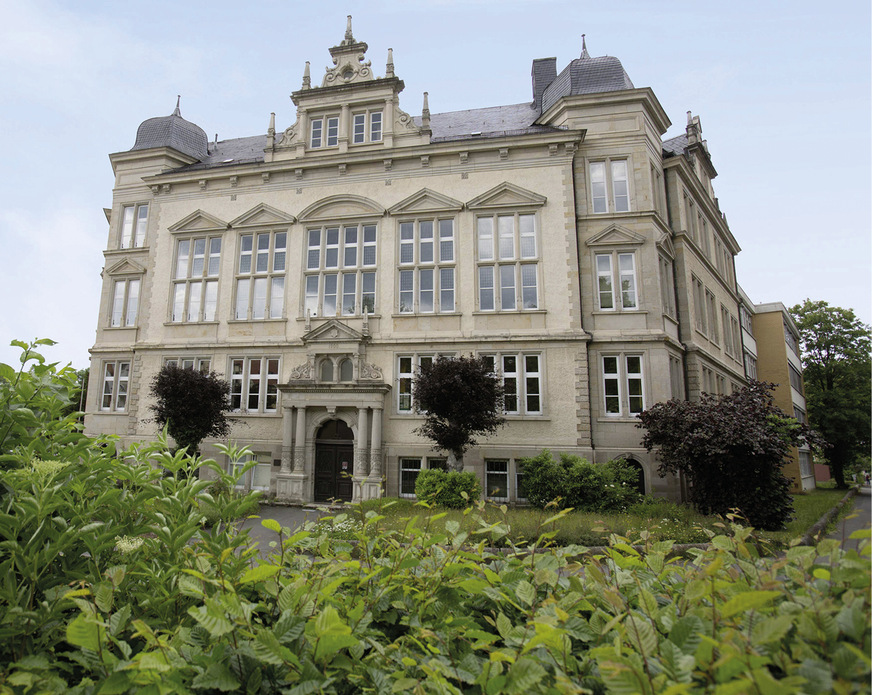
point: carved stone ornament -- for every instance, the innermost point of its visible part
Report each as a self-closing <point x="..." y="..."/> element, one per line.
<point x="348" y="70"/>
<point x="289" y="135"/>
<point x="370" y="372"/>
<point x="405" y="120"/>
<point x="302" y="372"/>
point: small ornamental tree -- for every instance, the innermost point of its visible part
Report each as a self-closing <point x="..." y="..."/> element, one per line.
<point x="731" y="449"/>
<point x="460" y="399"/>
<point x="191" y="404"/>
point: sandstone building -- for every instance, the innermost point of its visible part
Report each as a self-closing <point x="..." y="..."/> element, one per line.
<point x="316" y="265"/>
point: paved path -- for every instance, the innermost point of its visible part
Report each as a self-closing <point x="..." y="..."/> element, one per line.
<point x="293" y="517"/>
<point x="289" y="517"/>
<point x="859" y="518"/>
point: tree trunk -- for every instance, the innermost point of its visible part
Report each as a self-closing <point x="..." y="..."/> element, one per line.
<point x="455" y="462"/>
<point x="837" y="459"/>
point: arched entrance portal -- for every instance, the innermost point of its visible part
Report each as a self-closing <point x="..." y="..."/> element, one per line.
<point x="334" y="460"/>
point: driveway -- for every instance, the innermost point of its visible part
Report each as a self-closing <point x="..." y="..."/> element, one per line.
<point x="290" y="518"/>
<point x="859" y="518"/>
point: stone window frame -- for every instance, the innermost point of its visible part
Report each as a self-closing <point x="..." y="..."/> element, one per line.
<point x="198" y="291"/>
<point x="115" y="374"/>
<point x="325" y="126"/>
<point x="615" y="275"/>
<point x="609" y="181"/>
<point x="133" y="228"/>
<point x="364" y="270"/>
<point x="521" y="378"/>
<point x="619" y="385"/>
<point x="496" y="260"/>
<point x="369" y="132"/>
<point x="441" y="463"/>
<point x="438" y="266"/>
<point x="271" y="275"/>
<point x="267" y="391"/>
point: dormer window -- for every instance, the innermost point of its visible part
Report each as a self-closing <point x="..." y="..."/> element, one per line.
<point x="367" y="127"/>
<point x="320" y="138"/>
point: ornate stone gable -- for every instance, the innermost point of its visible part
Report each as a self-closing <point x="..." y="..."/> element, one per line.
<point x="199" y="221"/>
<point x="263" y="216"/>
<point x="425" y="201"/>
<point x="125" y="267"/>
<point x="506" y="195"/>
<point x="615" y="235"/>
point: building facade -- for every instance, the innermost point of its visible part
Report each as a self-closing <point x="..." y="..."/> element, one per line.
<point x="317" y="266"/>
<point x="778" y="361"/>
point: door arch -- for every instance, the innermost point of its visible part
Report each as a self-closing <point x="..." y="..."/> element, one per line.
<point x="334" y="462"/>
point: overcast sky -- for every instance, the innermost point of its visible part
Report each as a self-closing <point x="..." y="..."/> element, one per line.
<point x="782" y="89"/>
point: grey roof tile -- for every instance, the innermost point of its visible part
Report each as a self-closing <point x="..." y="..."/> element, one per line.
<point x="171" y="131"/>
<point x="676" y="145"/>
<point x="587" y="76"/>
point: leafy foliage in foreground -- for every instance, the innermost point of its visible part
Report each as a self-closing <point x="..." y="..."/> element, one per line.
<point x="110" y="584"/>
<point x="37" y="409"/>
<point x="116" y="588"/>
<point x="731" y="448"/>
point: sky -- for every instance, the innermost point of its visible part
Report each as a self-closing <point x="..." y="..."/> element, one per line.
<point x="782" y="90"/>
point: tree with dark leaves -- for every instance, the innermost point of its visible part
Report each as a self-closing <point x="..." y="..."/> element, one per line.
<point x="838" y="375"/>
<point x="460" y="399"/>
<point x="731" y="450"/>
<point x="191" y="404"/>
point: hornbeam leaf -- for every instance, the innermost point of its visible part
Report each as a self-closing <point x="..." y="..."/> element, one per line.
<point x="746" y="601"/>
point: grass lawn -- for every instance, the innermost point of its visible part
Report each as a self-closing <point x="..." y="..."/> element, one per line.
<point x="809" y="508"/>
<point x="501" y="525"/>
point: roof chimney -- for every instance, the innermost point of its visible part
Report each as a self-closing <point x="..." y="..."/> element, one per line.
<point x="544" y="73"/>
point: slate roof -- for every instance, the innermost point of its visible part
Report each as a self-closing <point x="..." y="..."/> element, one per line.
<point x="172" y="131"/>
<point x="495" y="121"/>
<point x="676" y="145"/>
<point x="587" y="75"/>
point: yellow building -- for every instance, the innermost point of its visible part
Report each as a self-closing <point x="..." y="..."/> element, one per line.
<point x="777" y="342"/>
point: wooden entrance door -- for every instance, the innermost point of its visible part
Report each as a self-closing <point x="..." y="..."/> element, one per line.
<point x="333" y="467"/>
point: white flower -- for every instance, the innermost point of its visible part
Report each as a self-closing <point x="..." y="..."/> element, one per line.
<point x="127" y="544"/>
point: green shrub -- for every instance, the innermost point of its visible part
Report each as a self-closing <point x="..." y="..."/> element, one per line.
<point x="575" y="483"/>
<point x="446" y="489"/>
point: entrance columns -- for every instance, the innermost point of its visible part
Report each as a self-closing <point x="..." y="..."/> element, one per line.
<point x="291" y="484"/>
<point x="287" y="438"/>
<point x="300" y="442"/>
<point x="373" y="486"/>
<point x="361" y="454"/>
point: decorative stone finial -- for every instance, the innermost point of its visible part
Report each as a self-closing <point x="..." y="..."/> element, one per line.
<point x="365" y="330"/>
<point x="348" y="35"/>
<point x="584" y="54"/>
<point x="389" y="69"/>
<point x="178" y="111"/>
<point x="271" y="131"/>
<point x="307" y="78"/>
<point x="425" y="112"/>
<point x="689" y="118"/>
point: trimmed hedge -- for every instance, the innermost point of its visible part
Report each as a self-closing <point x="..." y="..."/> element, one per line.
<point x="446" y="489"/>
<point x="573" y="482"/>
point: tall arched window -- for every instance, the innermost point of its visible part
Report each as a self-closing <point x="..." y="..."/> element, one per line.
<point x="346" y="370"/>
<point x="327" y="370"/>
